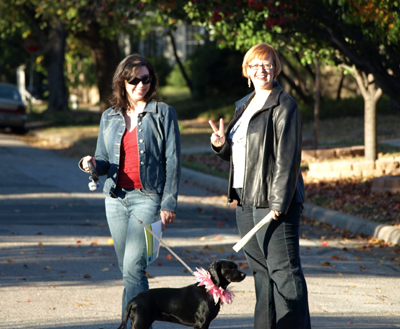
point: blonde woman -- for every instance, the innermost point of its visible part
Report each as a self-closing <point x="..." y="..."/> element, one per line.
<point x="263" y="144"/>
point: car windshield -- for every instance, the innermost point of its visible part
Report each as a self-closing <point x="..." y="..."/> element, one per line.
<point x="9" y="93"/>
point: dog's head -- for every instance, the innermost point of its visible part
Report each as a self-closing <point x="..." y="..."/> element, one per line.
<point x="224" y="272"/>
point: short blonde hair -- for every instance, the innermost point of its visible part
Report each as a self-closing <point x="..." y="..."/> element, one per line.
<point x="261" y="51"/>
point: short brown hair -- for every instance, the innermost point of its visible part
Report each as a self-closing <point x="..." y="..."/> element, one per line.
<point x="261" y="51"/>
<point x="127" y="70"/>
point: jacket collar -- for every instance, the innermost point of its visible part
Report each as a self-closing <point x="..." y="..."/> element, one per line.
<point x="150" y="107"/>
<point x="272" y="100"/>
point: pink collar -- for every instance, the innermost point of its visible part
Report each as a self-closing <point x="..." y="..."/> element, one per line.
<point x="203" y="277"/>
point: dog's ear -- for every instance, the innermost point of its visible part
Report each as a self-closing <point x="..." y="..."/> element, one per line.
<point x="215" y="271"/>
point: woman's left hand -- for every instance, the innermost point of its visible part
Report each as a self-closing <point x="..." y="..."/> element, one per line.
<point x="167" y="218"/>
<point x="275" y="214"/>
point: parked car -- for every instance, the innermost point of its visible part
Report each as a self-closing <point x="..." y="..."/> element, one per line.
<point x="12" y="108"/>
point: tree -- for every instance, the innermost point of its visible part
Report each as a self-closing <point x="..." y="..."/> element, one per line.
<point x="20" y="18"/>
<point x="96" y="23"/>
<point x="364" y="33"/>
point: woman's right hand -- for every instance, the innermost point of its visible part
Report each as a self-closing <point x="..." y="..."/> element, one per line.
<point x="85" y="161"/>
<point x="218" y="137"/>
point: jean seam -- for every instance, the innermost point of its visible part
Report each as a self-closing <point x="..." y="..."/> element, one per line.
<point x="290" y="263"/>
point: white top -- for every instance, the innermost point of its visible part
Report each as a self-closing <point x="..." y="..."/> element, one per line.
<point x="237" y="136"/>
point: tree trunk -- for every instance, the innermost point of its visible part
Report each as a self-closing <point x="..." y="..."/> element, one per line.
<point x="54" y="60"/>
<point x="371" y="94"/>
<point x="51" y="41"/>
<point x="370" y="129"/>
<point x="317" y="102"/>
<point x="340" y="86"/>
<point x="105" y="54"/>
<point x="178" y="61"/>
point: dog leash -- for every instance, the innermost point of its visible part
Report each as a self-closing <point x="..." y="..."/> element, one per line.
<point x="94" y="177"/>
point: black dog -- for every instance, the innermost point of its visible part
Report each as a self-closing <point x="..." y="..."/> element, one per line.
<point x="191" y="306"/>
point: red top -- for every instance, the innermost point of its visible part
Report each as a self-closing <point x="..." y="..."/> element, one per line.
<point x="128" y="173"/>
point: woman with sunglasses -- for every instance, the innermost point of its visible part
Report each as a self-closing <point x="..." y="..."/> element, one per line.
<point x="138" y="148"/>
<point x="263" y="144"/>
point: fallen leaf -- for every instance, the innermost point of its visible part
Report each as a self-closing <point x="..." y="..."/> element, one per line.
<point x="221" y="250"/>
<point x="339" y="273"/>
<point x="325" y="244"/>
<point x="219" y="223"/>
<point x="159" y="264"/>
<point x="10" y="261"/>
<point x="202" y="238"/>
<point x="185" y="270"/>
<point x="47" y="268"/>
<point x="169" y="257"/>
<point x="78" y="241"/>
<point x="243" y="266"/>
<point x="87" y="276"/>
<point x="40" y="244"/>
<point x="110" y="241"/>
<point x="207" y="247"/>
<point x="335" y="257"/>
<point x="326" y="264"/>
<point x="218" y="237"/>
<point x="90" y="251"/>
<point x="105" y="269"/>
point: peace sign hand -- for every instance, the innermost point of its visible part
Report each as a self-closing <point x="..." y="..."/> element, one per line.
<point x="218" y="137"/>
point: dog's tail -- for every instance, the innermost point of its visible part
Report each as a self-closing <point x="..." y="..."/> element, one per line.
<point x="126" y="316"/>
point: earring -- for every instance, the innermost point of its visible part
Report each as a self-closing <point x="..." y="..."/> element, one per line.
<point x="249" y="82"/>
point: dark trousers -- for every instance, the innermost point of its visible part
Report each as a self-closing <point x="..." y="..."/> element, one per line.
<point x="274" y="258"/>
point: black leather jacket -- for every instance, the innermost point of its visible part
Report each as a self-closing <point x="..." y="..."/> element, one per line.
<point x="273" y="153"/>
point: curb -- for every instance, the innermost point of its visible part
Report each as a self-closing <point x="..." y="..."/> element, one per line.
<point x="388" y="233"/>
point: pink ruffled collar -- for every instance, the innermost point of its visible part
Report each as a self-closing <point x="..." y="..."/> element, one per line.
<point x="203" y="277"/>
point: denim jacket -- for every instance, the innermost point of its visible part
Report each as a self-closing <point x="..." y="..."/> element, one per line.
<point x="159" y="151"/>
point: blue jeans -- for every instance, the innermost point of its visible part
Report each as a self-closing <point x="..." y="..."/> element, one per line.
<point x="122" y="213"/>
<point x="273" y="255"/>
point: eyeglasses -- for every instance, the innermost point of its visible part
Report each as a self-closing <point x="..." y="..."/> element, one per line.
<point x="144" y="79"/>
<point x="266" y="66"/>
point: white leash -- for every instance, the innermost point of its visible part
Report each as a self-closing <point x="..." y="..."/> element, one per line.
<point x="253" y="231"/>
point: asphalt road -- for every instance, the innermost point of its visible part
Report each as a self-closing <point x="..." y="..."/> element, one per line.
<point x="58" y="268"/>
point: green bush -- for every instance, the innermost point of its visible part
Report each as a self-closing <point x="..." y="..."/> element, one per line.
<point x="162" y="67"/>
<point x="217" y="72"/>
<point x="175" y="78"/>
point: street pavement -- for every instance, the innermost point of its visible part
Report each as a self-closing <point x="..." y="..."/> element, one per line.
<point x="59" y="270"/>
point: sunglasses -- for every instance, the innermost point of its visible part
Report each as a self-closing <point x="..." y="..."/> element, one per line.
<point x="144" y="79"/>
